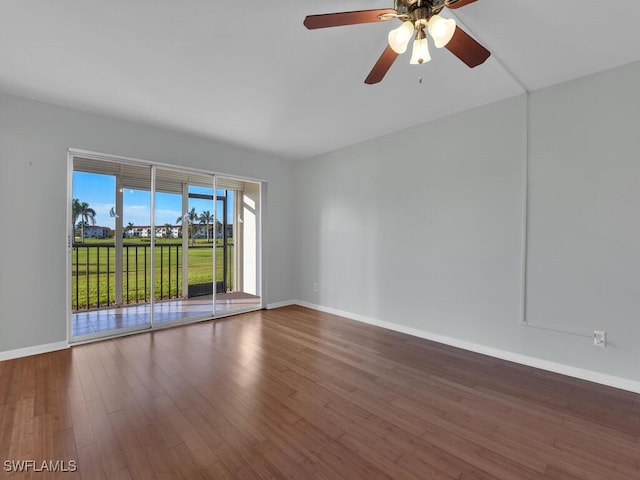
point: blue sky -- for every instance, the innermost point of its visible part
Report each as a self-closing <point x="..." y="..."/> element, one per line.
<point x="99" y="191"/>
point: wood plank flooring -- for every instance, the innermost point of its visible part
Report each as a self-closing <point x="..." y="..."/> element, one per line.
<point x="297" y="394"/>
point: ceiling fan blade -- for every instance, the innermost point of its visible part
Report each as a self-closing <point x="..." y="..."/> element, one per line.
<point x="460" y="3"/>
<point x="463" y="46"/>
<point x="347" y="18"/>
<point x="382" y="66"/>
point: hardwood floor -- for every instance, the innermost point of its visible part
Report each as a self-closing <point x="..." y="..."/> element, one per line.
<point x="293" y="393"/>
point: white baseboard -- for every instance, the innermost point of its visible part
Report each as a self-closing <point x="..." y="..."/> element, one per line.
<point x="35" y="350"/>
<point x="286" y="303"/>
<point x="583" y="374"/>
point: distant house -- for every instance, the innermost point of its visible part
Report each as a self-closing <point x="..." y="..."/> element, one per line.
<point x="144" y="231"/>
<point x="229" y="229"/>
<point x="199" y="231"/>
<point x="96" y="231"/>
<point x="137" y="232"/>
<point x="168" y="232"/>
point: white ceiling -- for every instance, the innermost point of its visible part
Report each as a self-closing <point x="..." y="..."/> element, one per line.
<point x="254" y="76"/>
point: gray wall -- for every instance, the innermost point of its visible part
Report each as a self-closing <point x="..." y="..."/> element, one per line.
<point x="34" y="138"/>
<point x="423" y="228"/>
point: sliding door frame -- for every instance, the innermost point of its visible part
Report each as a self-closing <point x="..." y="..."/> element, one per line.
<point x="73" y="153"/>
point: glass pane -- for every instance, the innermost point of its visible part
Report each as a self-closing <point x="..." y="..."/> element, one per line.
<point x="237" y="247"/>
<point x="109" y="277"/>
<point x="136" y="254"/>
<point x="184" y="246"/>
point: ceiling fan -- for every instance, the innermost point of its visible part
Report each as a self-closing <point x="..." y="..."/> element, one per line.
<point x="416" y="16"/>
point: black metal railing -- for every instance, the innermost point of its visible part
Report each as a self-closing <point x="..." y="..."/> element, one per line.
<point x="93" y="273"/>
<point x="93" y="270"/>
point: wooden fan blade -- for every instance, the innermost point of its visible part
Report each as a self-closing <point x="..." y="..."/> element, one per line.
<point x="463" y="46"/>
<point x="382" y="66"/>
<point x="460" y="3"/>
<point x="347" y="18"/>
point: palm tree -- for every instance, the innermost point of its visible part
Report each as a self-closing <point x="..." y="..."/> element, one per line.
<point x="85" y="213"/>
<point x="75" y="212"/>
<point x="129" y="227"/>
<point x="191" y="217"/>
<point x="207" y="219"/>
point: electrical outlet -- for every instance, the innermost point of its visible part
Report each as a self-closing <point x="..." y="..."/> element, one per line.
<point x="315" y="287"/>
<point x="600" y="338"/>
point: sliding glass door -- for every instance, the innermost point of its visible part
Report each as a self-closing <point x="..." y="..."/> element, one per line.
<point x="184" y="246"/>
<point x="110" y="263"/>
<point x="151" y="246"/>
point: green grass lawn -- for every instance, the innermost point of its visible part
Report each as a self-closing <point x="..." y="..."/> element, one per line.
<point x="93" y="266"/>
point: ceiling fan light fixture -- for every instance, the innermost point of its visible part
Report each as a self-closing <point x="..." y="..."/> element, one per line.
<point x="441" y="30"/>
<point x="420" y="52"/>
<point x="399" y="37"/>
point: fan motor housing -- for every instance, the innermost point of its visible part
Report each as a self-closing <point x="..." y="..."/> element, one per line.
<point x="420" y="9"/>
